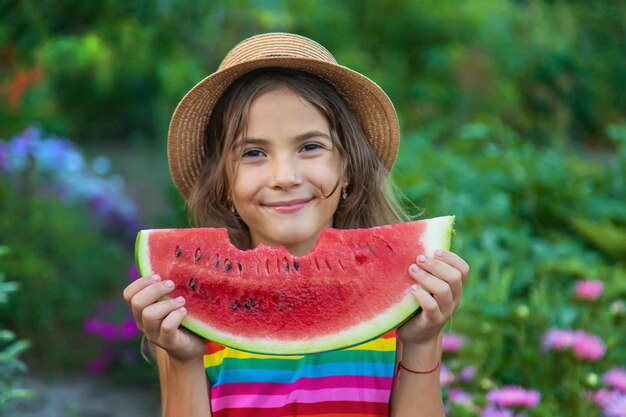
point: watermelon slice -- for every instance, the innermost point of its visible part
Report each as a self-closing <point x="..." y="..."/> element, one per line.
<point x="352" y="287"/>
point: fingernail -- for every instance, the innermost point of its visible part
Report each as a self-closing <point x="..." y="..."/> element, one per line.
<point x="438" y="253"/>
<point x="421" y="258"/>
<point x="155" y="278"/>
<point x="169" y="284"/>
<point x="415" y="287"/>
<point x="415" y="269"/>
<point x="180" y="300"/>
<point x="183" y="310"/>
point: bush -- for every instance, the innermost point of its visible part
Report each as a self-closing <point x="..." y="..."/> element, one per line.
<point x="536" y="225"/>
<point x="10" y="350"/>
<point x="71" y="230"/>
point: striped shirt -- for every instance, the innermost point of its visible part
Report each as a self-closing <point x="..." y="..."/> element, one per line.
<point x="348" y="383"/>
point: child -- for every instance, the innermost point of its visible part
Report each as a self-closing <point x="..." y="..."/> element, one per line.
<point x="278" y="144"/>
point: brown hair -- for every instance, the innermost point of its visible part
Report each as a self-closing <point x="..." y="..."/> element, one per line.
<point x="370" y="198"/>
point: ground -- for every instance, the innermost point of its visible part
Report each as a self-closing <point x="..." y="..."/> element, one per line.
<point x="86" y="396"/>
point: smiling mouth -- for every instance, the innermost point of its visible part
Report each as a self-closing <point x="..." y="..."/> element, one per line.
<point x="288" y="206"/>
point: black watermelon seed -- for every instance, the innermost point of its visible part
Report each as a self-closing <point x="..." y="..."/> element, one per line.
<point x="250" y="304"/>
<point x="234" y="305"/>
<point x="227" y="265"/>
<point x="216" y="261"/>
<point x="178" y="252"/>
<point x="193" y="284"/>
<point x="286" y="264"/>
<point x="198" y="254"/>
<point x="239" y="266"/>
<point x="280" y="308"/>
<point x="296" y="265"/>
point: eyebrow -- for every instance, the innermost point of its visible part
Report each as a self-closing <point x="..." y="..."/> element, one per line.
<point x="300" y="138"/>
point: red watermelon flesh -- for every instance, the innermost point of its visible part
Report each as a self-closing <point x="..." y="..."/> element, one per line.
<point x="352" y="287"/>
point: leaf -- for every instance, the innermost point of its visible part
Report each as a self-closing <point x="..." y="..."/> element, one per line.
<point x="606" y="236"/>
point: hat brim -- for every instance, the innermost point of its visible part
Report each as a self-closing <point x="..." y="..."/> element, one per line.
<point x="185" y="147"/>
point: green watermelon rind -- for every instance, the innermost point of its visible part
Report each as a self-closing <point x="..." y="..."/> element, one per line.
<point x="438" y="235"/>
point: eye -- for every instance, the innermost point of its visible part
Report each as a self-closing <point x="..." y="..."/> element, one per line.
<point x="308" y="147"/>
<point x="252" y="153"/>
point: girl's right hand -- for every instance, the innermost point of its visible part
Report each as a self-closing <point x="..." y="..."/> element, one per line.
<point x="160" y="319"/>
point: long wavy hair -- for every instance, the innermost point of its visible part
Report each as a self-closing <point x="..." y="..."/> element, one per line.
<point x="371" y="197"/>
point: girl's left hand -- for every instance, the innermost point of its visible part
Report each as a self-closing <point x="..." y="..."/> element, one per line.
<point x="439" y="283"/>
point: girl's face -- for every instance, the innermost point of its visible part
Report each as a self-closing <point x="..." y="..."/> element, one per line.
<point x="285" y="169"/>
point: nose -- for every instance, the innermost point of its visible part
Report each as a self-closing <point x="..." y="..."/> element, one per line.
<point x="285" y="173"/>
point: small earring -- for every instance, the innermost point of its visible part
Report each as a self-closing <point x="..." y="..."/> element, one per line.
<point x="344" y="194"/>
<point x="232" y="209"/>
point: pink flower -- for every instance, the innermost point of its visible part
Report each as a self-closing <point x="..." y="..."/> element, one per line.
<point x="616" y="378"/>
<point x="589" y="289"/>
<point x="604" y="396"/>
<point x="587" y="346"/>
<point x="557" y="339"/>
<point x="513" y="396"/>
<point x="460" y="397"/>
<point x="452" y="342"/>
<point x="492" y="411"/>
<point x="446" y="377"/>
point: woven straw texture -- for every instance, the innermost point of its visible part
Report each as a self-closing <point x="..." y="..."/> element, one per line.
<point x="187" y="128"/>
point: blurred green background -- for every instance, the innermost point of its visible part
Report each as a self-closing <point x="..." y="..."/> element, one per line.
<point x="513" y="118"/>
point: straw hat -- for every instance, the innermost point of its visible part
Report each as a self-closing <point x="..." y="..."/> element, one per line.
<point x="371" y="105"/>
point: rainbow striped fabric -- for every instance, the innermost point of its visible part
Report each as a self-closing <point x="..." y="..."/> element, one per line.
<point x="348" y="383"/>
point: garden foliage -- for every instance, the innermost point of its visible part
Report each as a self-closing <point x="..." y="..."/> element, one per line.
<point x="549" y="70"/>
<point x="513" y="121"/>
<point x="11" y="348"/>
<point x="71" y="229"/>
<point x="544" y="232"/>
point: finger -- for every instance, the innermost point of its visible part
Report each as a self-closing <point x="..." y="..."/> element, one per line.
<point x="439" y="288"/>
<point x="430" y="307"/>
<point x="154" y="314"/>
<point x="455" y="261"/>
<point x="171" y="324"/>
<point x="444" y="271"/>
<point x="138" y="285"/>
<point x="147" y="296"/>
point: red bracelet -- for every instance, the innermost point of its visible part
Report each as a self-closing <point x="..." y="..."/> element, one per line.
<point x="400" y="366"/>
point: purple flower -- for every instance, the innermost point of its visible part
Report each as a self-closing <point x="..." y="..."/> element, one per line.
<point x="108" y="331"/>
<point x="92" y="326"/>
<point x="128" y="329"/>
<point x="616" y="378"/>
<point x="132" y="273"/>
<point x="616" y="407"/>
<point x="468" y="373"/>
<point x="589" y="289"/>
<point x="587" y="346"/>
<point x="452" y="342"/>
<point x="3" y="157"/>
<point x="514" y="396"/>
<point x="493" y="411"/>
<point x="460" y="397"/>
<point x="97" y="367"/>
